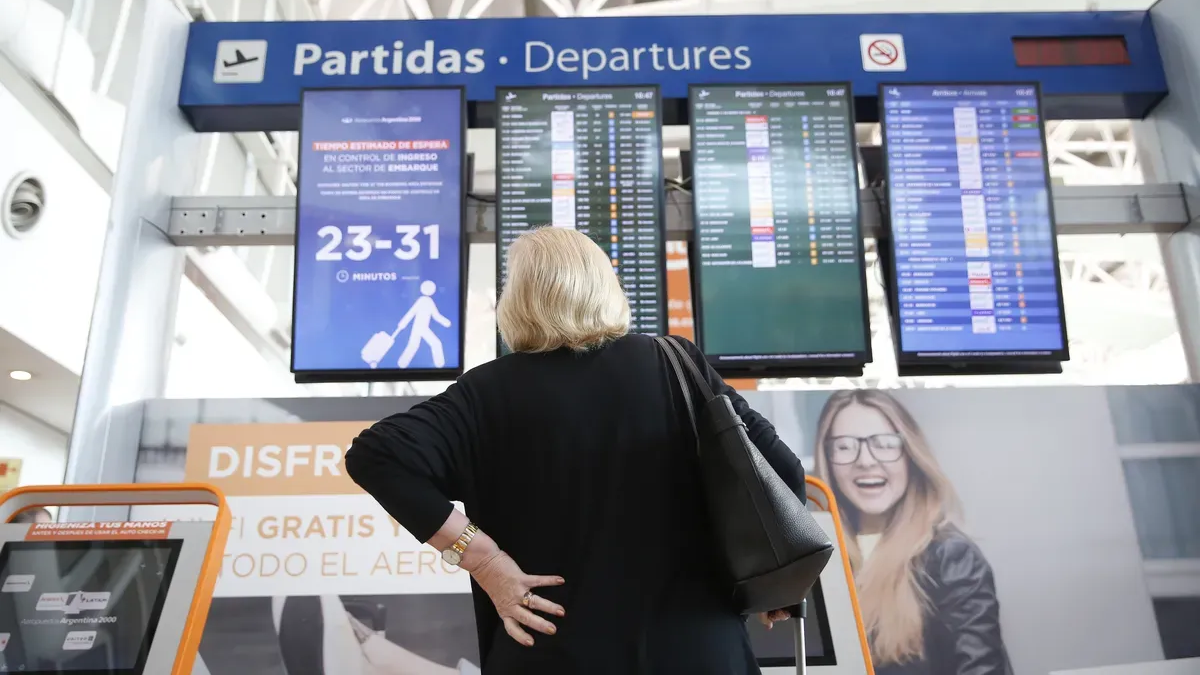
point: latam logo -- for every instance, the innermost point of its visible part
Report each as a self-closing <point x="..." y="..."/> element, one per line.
<point x="73" y="603"/>
<point x="240" y="62"/>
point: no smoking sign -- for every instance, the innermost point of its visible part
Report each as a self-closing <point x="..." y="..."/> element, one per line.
<point x="883" y="52"/>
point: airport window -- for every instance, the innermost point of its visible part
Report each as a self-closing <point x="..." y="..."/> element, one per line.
<point x="1166" y="506"/>
<point x="1179" y="626"/>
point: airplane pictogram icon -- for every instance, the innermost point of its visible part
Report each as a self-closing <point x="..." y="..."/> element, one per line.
<point x="240" y="62"/>
<point x="239" y="59"/>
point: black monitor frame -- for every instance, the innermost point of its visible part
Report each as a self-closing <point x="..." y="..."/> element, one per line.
<point x="849" y="367"/>
<point x="389" y="374"/>
<point x="172" y="546"/>
<point x="659" y="192"/>
<point x="973" y="363"/>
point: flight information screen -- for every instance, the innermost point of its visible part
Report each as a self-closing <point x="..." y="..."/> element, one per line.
<point x="588" y="159"/>
<point x="780" y="275"/>
<point x="973" y="240"/>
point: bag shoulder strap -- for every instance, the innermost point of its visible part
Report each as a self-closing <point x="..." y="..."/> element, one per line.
<point x="698" y="379"/>
<point x="683" y="386"/>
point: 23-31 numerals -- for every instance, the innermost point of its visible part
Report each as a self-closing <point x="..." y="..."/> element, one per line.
<point x="361" y="245"/>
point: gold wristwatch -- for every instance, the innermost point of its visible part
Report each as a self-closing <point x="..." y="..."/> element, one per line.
<point x="454" y="554"/>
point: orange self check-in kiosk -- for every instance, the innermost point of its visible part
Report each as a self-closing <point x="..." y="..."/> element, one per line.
<point x="107" y="598"/>
<point x="831" y="636"/>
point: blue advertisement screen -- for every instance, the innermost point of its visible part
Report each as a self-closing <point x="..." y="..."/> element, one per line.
<point x="973" y="237"/>
<point x="379" y="244"/>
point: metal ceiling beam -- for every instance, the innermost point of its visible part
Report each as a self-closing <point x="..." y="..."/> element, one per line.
<point x="590" y="7"/>
<point x="561" y="8"/>
<point x="363" y="9"/>
<point x="420" y="9"/>
<point x="271" y="221"/>
<point x="51" y="115"/>
<point x="478" y="9"/>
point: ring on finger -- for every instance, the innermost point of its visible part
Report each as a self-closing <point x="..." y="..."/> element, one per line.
<point x="527" y="599"/>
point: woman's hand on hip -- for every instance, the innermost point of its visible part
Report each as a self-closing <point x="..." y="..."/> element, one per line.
<point x="514" y="594"/>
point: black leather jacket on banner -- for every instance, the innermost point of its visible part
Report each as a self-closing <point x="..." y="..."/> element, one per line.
<point x="962" y="627"/>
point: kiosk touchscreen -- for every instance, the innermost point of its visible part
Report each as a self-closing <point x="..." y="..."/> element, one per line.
<point x="82" y="606"/>
<point x="106" y="598"/>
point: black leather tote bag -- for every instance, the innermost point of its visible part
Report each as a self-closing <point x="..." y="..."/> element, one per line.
<point x="772" y="547"/>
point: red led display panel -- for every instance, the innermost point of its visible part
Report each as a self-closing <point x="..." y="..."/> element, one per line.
<point x="1033" y="52"/>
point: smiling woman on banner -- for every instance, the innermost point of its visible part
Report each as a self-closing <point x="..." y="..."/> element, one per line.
<point x="572" y="453"/>
<point x="926" y="591"/>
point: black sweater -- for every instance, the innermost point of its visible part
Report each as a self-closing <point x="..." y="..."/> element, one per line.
<point x="578" y="465"/>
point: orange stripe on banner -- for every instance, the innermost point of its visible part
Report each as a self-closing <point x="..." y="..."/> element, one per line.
<point x="107" y="531"/>
<point x="242" y="460"/>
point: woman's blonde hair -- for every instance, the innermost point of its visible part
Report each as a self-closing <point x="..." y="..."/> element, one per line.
<point x="890" y="595"/>
<point x="561" y="291"/>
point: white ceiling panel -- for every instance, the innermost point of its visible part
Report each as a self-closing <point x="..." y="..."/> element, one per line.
<point x="48" y="395"/>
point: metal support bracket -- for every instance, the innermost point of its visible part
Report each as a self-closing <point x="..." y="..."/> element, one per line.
<point x="271" y="221"/>
<point x="232" y="221"/>
<point x="1191" y="202"/>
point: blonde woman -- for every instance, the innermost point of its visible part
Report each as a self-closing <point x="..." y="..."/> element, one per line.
<point x="590" y="550"/>
<point x="927" y="594"/>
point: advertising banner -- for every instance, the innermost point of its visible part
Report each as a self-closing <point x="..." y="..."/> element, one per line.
<point x="299" y="521"/>
<point x="10" y="473"/>
<point x="988" y="526"/>
<point x="379" y="244"/>
<point x="317" y="578"/>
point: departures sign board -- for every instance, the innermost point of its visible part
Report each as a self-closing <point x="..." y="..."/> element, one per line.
<point x="779" y="272"/>
<point x="589" y="159"/>
<point x="380" y="275"/>
<point x="974" y="253"/>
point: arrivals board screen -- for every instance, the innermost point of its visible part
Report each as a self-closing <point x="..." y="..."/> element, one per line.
<point x="588" y="159"/>
<point x="780" y="278"/>
<point x="380" y="273"/>
<point x="974" y="255"/>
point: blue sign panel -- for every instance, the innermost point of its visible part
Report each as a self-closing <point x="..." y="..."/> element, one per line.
<point x="973" y="240"/>
<point x="248" y="76"/>
<point x="379" y="278"/>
